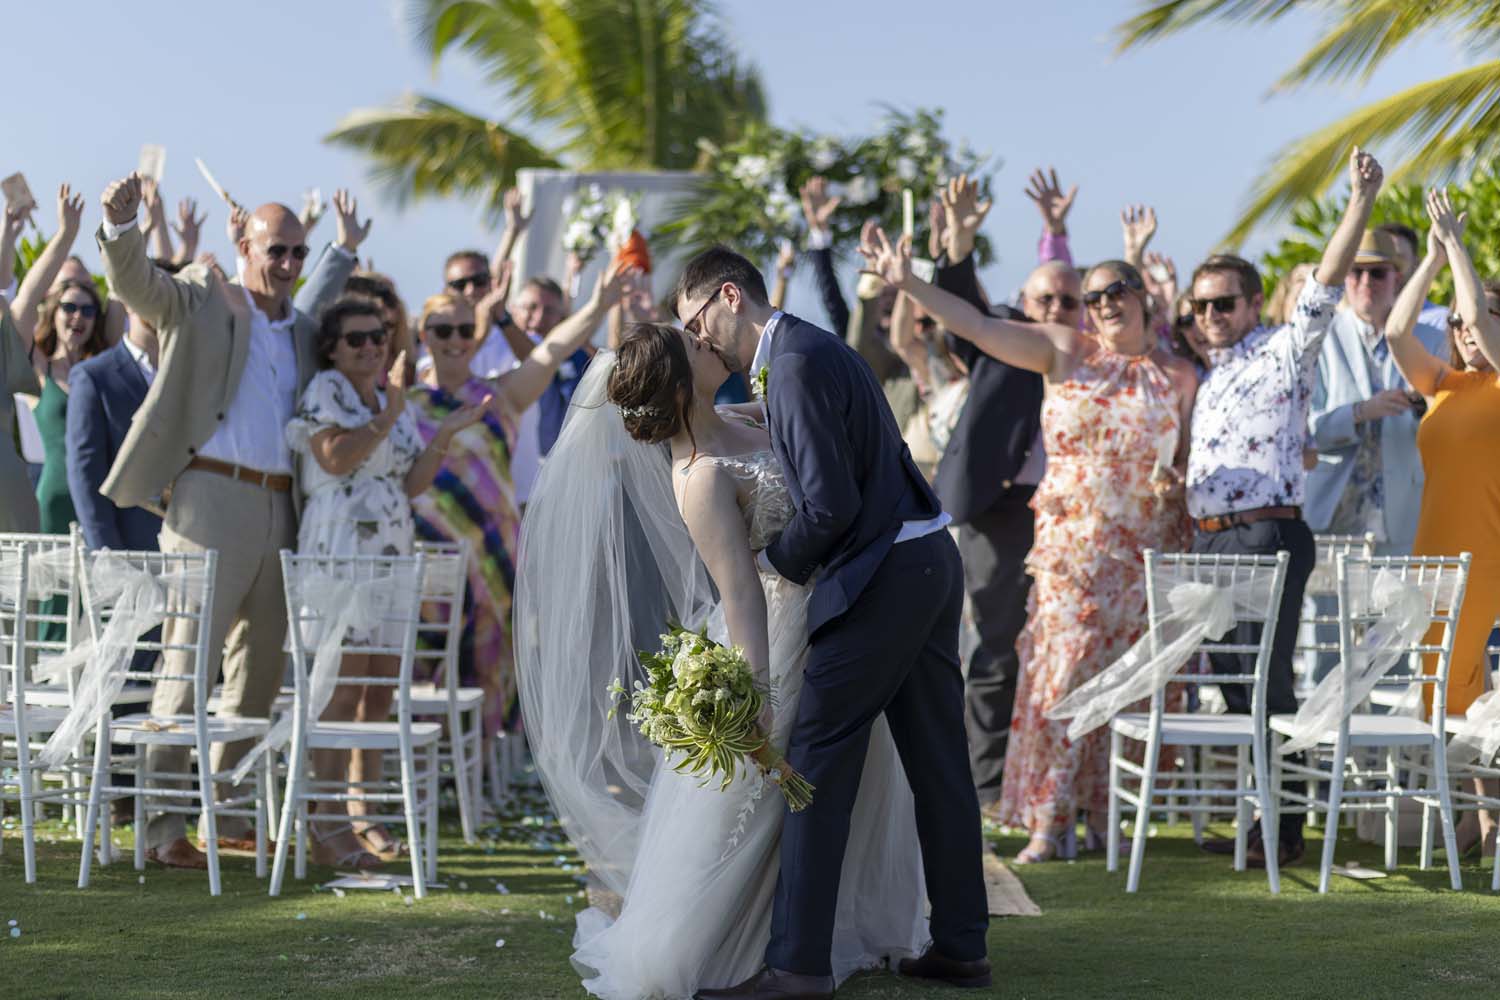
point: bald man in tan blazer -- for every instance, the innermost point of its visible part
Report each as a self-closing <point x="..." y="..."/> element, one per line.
<point x="210" y="437"/>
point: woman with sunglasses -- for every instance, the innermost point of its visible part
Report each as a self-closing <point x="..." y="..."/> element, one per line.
<point x="1114" y="423"/>
<point x="1461" y="499"/>
<point x="474" y="495"/>
<point x="362" y="461"/>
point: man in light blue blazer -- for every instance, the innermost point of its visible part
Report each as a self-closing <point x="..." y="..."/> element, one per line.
<point x="1364" y="415"/>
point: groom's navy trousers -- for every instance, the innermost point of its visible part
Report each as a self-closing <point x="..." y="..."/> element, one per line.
<point x="884" y="621"/>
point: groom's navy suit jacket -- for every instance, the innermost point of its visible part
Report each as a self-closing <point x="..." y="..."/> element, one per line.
<point x="850" y="475"/>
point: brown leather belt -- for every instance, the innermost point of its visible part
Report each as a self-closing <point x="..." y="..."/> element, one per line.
<point x="276" y="482"/>
<point x="1223" y="522"/>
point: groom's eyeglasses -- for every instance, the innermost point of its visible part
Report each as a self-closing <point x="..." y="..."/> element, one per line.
<point x="692" y="325"/>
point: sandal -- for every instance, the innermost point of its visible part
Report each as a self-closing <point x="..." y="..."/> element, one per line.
<point x="324" y="853"/>
<point x="381" y="843"/>
<point x="1047" y="846"/>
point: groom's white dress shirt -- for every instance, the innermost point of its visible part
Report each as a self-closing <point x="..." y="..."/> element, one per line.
<point x="909" y="530"/>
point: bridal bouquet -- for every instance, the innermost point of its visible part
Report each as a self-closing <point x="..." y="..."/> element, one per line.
<point x="700" y="699"/>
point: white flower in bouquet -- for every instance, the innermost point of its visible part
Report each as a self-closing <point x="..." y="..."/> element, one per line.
<point x="752" y="170"/>
<point x="581" y="238"/>
<point x="906" y="169"/>
<point x="861" y="190"/>
<point x="623" y="220"/>
<point x="824" y="154"/>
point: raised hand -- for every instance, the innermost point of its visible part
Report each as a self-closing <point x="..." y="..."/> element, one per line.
<point x="156" y="213"/>
<point x="15" y="221"/>
<point x="964" y="213"/>
<point x="121" y="201"/>
<point x="615" y="283"/>
<point x="937" y="226"/>
<point x="1138" y="224"/>
<point x="313" y="208"/>
<point x="239" y="219"/>
<point x="188" y="227"/>
<point x="1447" y="227"/>
<point x="1365" y="176"/>
<point x="786" y="256"/>
<point x="351" y="233"/>
<point x="1160" y="275"/>
<point x="818" y="205"/>
<point x="515" y="220"/>
<point x="891" y="264"/>
<point x="464" y="416"/>
<point x="1050" y="200"/>
<point x="395" y="387"/>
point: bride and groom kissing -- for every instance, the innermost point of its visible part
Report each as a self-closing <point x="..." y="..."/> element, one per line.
<point x="829" y="564"/>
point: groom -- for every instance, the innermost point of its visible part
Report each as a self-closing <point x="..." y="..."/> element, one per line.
<point x="883" y="623"/>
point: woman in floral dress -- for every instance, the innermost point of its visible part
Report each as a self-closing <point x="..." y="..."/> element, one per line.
<point x="1112" y="422"/>
<point x="473" y="496"/>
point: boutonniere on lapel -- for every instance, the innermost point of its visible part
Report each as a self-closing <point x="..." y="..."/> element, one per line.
<point x="758" y="382"/>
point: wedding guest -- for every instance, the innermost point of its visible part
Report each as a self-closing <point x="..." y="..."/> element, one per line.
<point x="1283" y="302"/>
<point x="361" y="460"/>
<point x="233" y="359"/>
<point x="474" y="496"/>
<point x="18" y="508"/>
<point x="1460" y="512"/>
<point x="1362" y="416"/>
<point x="104" y="394"/>
<point x="1433" y="314"/>
<point x="986" y="478"/>
<point x="1246" y="484"/>
<point x="393" y="311"/>
<point x="1115" y="418"/>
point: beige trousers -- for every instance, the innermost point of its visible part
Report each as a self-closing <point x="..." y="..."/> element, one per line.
<point x="248" y="526"/>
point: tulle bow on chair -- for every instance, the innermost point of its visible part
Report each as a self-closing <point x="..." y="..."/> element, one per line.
<point x="1198" y="611"/>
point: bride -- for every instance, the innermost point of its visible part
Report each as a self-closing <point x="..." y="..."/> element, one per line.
<point x="649" y="484"/>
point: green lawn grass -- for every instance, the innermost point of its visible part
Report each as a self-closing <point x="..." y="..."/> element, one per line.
<point x="1196" y="929"/>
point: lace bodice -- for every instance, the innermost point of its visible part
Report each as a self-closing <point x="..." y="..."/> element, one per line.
<point x="766" y="504"/>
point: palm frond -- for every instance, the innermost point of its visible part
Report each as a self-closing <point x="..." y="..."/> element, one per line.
<point x="1442" y="127"/>
<point x="1171" y="17"/>
<point x="423" y="146"/>
<point x="1370" y="31"/>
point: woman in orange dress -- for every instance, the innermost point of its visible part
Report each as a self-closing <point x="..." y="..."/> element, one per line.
<point x="1461" y="500"/>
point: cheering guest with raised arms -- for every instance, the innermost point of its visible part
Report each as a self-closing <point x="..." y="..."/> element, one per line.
<point x="233" y="359"/>
<point x="361" y="460"/>
<point x="1461" y="505"/>
<point x="474" y="495"/>
<point x="1245" y="483"/>
<point x="1114" y="420"/>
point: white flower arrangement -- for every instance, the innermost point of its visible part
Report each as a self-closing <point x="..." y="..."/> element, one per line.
<point x="596" y="219"/>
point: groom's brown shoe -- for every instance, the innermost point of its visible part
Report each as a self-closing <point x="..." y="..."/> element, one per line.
<point x="773" y="984"/>
<point x="933" y="965"/>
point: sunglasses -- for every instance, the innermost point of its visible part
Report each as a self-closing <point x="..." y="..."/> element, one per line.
<point x="84" y="309"/>
<point x="692" y="325"/>
<point x="1113" y="290"/>
<point x="276" y="251"/>
<point x="1456" y="322"/>
<point x="357" y="338"/>
<point x="442" y="331"/>
<point x="1378" y="273"/>
<point x="1222" y="304"/>
<point x="1046" y="299"/>
<point x="479" y="279"/>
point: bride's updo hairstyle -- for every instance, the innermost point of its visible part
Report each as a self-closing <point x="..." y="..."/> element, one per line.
<point x="652" y="382"/>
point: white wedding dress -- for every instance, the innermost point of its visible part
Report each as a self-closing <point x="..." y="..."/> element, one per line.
<point x="697" y="907"/>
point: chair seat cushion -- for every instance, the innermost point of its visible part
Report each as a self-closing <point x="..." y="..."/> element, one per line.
<point x="1369" y="730"/>
<point x="369" y="735"/>
<point x="1187" y="728"/>
<point x="177" y="730"/>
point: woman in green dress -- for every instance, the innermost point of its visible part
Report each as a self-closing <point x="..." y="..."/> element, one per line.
<point x="17" y="503"/>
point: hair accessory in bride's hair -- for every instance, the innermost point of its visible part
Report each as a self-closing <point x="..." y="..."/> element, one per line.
<point x="637" y="412"/>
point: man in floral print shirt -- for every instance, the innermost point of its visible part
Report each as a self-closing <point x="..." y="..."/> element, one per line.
<point x="1245" y="479"/>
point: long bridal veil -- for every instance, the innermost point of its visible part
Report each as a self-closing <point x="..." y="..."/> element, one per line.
<point x="605" y="562"/>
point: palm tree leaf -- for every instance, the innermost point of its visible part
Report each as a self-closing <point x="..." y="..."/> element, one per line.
<point x="423" y="146"/>
<point x="1442" y="126"/>
<point x="1371" y="30"/>
<point x="1171" y="17"/>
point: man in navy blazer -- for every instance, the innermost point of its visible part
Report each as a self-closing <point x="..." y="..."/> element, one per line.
<point x="103" y="394"/>
<point x="870" y="536"/>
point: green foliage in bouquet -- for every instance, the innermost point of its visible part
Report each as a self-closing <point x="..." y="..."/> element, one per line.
<point x="1314" y="221"/>
<point x="700" y="701"/>
<point x="749" y="193"/>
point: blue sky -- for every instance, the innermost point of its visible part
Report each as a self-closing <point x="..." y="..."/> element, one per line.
<point x="1185" y="125"/>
